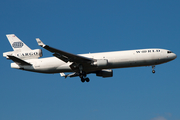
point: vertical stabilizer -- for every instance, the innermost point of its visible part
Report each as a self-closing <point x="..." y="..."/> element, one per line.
<point x="16" y="43"/>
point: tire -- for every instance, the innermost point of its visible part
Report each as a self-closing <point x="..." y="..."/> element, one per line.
<point x="87" y="79"/>
<point x="82" y="80"/>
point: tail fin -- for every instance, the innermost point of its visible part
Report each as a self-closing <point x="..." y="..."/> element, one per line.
<point x="21" y="50"/>
<point x="16" y="43"/>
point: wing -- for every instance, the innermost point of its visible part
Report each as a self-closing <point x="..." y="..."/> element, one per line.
<point x="65" y="56"/>
<point x="75" y="74"/>
<point x="18" y="61"/>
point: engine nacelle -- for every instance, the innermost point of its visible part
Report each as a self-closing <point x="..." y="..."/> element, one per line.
<point x="101" y="63"/>
<point x="32" y="54"/>
<point x="105" y="73"/>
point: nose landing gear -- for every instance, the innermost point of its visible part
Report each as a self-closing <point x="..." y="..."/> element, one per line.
<point x="153" y="71"/>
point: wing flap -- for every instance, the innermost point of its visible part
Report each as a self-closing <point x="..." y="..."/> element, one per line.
<point x="18" y="61"/>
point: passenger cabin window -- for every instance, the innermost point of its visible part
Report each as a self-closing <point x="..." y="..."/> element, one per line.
<point x="169" y="52"/>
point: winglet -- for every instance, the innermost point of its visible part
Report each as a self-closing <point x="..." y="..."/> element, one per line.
<point x="40" y="43"/>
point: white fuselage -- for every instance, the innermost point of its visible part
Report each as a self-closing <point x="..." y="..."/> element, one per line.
<point x="117" y="59"/>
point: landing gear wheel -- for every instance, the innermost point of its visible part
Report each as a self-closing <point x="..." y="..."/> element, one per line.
<point x="82" y="80"/>
<point x="153" y="67"/>
<point x="87" y="79"/>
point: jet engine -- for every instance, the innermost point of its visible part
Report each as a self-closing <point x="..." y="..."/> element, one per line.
<point x="101" y="63"/>
<point x="104" y="73"/>
<point x="31" y="54"/>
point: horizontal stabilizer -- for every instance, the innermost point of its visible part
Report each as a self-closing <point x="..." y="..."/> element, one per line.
<point x="18" y="61"/>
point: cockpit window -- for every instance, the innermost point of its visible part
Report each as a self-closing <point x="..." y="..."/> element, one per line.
<point x="169" y="51"/>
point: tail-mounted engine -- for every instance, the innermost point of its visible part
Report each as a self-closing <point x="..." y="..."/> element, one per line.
<point x="31" y="54"/>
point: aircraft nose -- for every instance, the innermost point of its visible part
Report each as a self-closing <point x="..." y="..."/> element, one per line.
<point x="171" y="56"/>
<point x="174" y="56"/>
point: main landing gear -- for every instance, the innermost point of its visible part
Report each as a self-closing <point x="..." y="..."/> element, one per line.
<point x="83" y="77"/>
<point x="153" y="71"/>
<point x="82" y="74"/>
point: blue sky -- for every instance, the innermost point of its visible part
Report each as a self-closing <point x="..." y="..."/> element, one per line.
<point x="80" y="26"/>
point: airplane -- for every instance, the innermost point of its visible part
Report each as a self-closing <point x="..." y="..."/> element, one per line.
<point x="80" y="65"/>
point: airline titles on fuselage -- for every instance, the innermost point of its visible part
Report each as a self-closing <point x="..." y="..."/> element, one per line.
<point x="27" y="54"/>
<point x="147" y="51"/>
